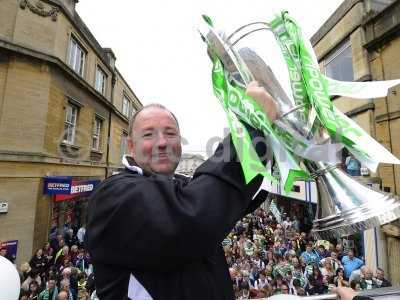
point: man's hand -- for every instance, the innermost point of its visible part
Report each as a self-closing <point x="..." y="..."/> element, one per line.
<point x="345" y="293"/>
<point x="264" y="99"/>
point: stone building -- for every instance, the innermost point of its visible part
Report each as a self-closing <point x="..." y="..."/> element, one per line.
<point x="64" y="110"/>
<point x="189" y="163"/>
<point x="360" y="42"/>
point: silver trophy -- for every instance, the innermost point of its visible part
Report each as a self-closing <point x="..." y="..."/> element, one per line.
<point x="344" y="205"/>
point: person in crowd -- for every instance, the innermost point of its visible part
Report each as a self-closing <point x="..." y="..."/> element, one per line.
<point x="50" y="292"/>
<point x="63" y="295"/>
<point x="24" y="296"/>
<point x="73" y="253"/>
<point x="32" y="276"/>
<point x="352" y="166"/>
<point x="339" y="251"/>
<point x="335" y="262"/>
<point x="316" y="282"/>
<point x="310" y="256"/>
<point x="322" y="252"/>
<point x="380" y="279"/>
<point x="33" y="292"/>
<point x="70" y="238"/>
<point x="82" y="262"/>
<point x="339" y="280"/>
<point x="5" y="254"/>
<point x="48" y="253"/>
<point x="61" y="255"/>
<point x="284" y="288"/>
<point x="81" y="235"/>
<point x="261" y="282"/>
<point x="327" y="270"/>
<point x="39" y="262"/>
<point x="351" y="263"/>
<point x="367" y="281"/>
<point x="65" y="287"/>
<point x="57" y="242"/>
<point x="24" y="271"/>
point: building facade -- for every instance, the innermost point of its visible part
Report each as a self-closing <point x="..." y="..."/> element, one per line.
<point x="189" y="163"/>
<point x="360" y="42"/>
<point x="64" y="113"/>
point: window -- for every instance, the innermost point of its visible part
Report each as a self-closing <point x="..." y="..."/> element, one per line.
<point x="71" y="113"/>
<point x="96" y="134"/>
<point x="101" y="80"/>
<point x="339" y="64"/>
<point x="76" y="59"/>
<point x="126" y="106"/>
<point x="124" y="142"/>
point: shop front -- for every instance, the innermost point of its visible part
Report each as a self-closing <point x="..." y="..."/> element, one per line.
<point x="69" y="201"/>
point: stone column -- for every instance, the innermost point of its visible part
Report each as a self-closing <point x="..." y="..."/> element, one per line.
<point x="393" y="246"/>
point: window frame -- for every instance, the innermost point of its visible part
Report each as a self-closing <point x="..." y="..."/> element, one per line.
<point x="335" y="53"/>
<point x="68" y="124"/>
<point x="96" y="133"/>
<point x="124" y="112"/>
<point x="74" y="45"/>
<point x="100" y="73"/>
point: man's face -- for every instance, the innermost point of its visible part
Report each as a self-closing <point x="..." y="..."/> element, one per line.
<point x="295" y="262"/>
<point x="284" y="289"/>
<point x="156" y="142"/>
<point x="351" y="254"/>
<point x="368" y="274"/>
<point x="3" y="252"/>
<point x="334" y="255"/>
<point x="51" y="284"/>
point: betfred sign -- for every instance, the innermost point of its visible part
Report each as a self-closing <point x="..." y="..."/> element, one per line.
<point x="57" y="185"/>
<point x="66" y="188"/>
<point x="81" y="188"/>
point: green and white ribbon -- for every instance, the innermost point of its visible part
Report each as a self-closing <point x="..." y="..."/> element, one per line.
<point x="311" y="91"/>
<point x="299" y="54"/>
<point x="239" y="105"/>
<point x="360" y="90"/>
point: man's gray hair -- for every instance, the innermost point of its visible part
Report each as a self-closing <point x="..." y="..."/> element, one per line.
<point x="156" y="105"/>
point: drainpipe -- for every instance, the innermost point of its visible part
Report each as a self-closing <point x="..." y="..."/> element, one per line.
<point x="113" y="80"/>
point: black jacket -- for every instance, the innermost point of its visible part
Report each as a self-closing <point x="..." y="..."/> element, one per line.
<point x="166" y="232"/>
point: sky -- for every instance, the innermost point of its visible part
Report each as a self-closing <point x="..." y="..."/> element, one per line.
<point x="162" y="57"/>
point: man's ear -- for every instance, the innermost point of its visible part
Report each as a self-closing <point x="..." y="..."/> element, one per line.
<point x="131" y="146"/>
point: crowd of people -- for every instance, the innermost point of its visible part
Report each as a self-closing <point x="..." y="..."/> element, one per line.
<point x="60" y="270"/>
<point x="266" y="257"/>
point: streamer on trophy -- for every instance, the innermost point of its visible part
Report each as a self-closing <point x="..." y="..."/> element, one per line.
<point x="309" y="133"/>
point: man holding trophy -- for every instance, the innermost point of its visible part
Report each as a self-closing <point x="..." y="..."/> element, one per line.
<point x="168" y="230"/>
<point x="165" y="232"/>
